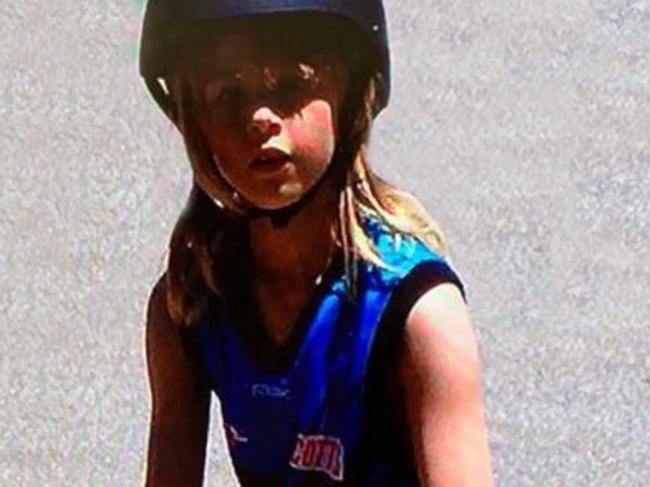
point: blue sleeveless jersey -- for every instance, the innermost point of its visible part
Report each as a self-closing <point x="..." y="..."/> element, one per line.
<point x="305" y="425"/>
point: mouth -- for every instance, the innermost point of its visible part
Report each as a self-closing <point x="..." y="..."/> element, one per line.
<point x="269" y="161"/>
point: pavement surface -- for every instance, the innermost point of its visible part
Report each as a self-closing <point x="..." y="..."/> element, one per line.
<point x="524" y="127"/>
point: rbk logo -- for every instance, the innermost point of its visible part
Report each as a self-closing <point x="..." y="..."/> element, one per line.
<point x="319" y="453"/>
<point x="275" y="392"/>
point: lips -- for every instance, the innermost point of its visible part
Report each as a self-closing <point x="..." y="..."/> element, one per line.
<point x="269" y="161"/>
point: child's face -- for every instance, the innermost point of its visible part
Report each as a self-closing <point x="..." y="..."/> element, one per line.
<point x="270" y="118"/>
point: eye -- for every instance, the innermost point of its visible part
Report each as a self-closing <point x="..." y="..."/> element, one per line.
<point x="290" y="86"/>
<point x="300" y="81"/>
<point x="220" y="93"/>
<point x="230" y="95"/>
<point x="224" y="99"/>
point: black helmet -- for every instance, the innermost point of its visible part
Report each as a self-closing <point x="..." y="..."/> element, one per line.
<point x="165" y="20"/>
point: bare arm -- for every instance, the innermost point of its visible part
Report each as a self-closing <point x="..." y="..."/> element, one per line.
<point x="180" y="402"/>
<point x="440" y="372"/>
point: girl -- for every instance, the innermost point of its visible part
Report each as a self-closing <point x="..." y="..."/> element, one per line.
<point x="311" y="296"/>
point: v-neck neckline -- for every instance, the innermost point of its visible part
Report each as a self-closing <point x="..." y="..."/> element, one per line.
<point x="245" y="315"/>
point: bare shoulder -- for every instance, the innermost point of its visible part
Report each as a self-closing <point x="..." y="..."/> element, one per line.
<point x="163" y="343"/>
<point x="439" y="325"/>
<point x="166" y="351"/>
<point x="157" y="314"/>
<point x="161" y="336"/>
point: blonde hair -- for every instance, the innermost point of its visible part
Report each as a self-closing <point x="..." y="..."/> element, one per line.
<point x="210" y="225"/>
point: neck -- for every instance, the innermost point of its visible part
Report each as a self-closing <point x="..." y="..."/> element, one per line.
<point x="298" y="250"/>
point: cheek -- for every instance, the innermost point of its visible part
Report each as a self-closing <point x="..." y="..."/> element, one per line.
<point x="313" y="129"/>
<point x="228" y="148"/>
<point x="319" y="113"/>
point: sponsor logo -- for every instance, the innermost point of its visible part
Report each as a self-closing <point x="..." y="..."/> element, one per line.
<point x="234" y="437"/>
<point x="275" y="392"/>
<point x="319" y="453"/>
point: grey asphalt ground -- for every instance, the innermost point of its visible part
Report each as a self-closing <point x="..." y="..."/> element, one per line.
<point x="523" y="126"/>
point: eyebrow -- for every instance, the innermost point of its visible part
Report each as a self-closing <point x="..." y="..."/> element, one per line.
<point x="225" y="73"/>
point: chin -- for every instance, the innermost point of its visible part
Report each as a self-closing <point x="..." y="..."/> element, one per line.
<point x="282" y="196"/>
<point x="286" y="195"/>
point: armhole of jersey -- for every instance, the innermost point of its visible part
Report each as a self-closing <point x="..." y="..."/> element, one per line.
<point x="387" y="342"/>
<point x="421" y="279"/>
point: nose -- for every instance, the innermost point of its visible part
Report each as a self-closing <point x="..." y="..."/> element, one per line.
<point x="263" y="125"/>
